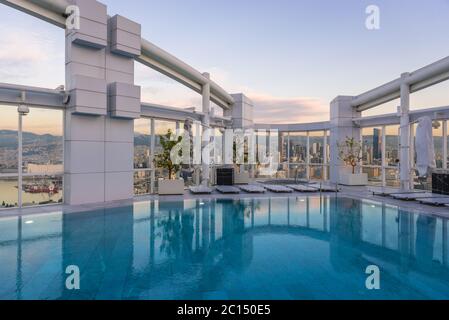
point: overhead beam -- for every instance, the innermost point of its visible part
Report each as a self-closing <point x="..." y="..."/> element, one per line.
<point x="418" y="80"/>
<point x="168" y="113"/>
<point x="11" y="94"/>
<point x="186" y="81"/>
<point x="180" y="71"/>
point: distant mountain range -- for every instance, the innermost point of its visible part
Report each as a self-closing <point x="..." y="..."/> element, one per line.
<point x="141" y="139"/>
<point x="8" y="139"/>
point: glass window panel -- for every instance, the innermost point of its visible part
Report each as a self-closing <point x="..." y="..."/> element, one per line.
<point x="298" y="147"/>
<point x="282" y="171"/>
<point x="328" y="160"/>
<point x="142" y="182"/>
<point x="264" y="171"/>
<point x="298" y="171"/>
<point x="43" y="142"/>
<point x="392" y="178"/>
<point x="217" y="150"/>
<point x="372" y="146"/>
<point x="41" y="190"/>
<point x="142" y="143"/>
<point x="437" y="133"/>
<point x="283" y="145"/>
<point x="316" y="172"/>
<point x="374" y="175"/>
<point x="8" y="139"/>
<point x="262" y="146"/>
<point x="316" y="147"/>
<point x="8" y="192"/>
<point x="447" y="142"/>
<point x="161" y="128"/>
<point x="392" y="146"/>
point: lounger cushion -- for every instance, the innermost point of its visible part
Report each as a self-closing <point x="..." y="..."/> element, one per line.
<point x="435" y="201"/>
<point x="252" y="188"/>
<point x="301" y="188"/>
<point x="227" y="189"/>
<point x="200" y="190"/>
<point x="278" y="188"/>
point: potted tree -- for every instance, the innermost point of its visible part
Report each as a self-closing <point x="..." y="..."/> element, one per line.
<point x="350" y="153"/>
<point x="173" y="185"/>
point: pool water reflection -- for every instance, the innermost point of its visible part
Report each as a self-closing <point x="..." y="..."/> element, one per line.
<point x="279" y="248"/>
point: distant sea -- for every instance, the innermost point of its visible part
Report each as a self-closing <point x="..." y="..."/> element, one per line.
<point x="9" y="194"/>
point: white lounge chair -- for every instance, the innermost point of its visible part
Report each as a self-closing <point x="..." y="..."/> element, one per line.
<point x="440" y="201"/>
<point x="386" y="191"/>
<point x="200" y="190"/>
<point x="278" y="188"/>
<point x="227" y="189"/>
<point x="415" y="196"/>
<point x="251" y="188"/>
<point x="323" y="187"/>
<point x="302" y="188"/>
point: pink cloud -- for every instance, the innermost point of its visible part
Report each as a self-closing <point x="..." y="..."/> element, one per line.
<point x="271" y="109"/>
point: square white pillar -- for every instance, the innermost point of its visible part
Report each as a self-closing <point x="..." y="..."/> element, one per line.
<point x="342" y="126"/>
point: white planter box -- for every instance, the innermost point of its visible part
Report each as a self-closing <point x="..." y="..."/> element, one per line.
<point x="170" y="187"/>
<point x="241" y="178"/>
<point x="358" y="179"/>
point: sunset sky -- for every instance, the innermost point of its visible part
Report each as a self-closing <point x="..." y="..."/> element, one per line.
<point x="291" y="57"/>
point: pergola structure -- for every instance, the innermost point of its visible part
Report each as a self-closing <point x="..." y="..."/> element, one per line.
<point x="346" y="110"/>
<point x="101" y="101"/>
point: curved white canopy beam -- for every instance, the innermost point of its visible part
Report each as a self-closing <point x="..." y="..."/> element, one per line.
<point x="420" y="79"/>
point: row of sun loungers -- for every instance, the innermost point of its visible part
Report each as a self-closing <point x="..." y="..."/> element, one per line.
<point x="420" y="196"/>
<point x="255" y="188"/>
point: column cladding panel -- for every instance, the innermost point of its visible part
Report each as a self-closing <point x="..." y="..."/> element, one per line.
<point x="241" y="112"/>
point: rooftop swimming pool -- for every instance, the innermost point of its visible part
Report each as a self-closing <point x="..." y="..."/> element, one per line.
<point x="278" y="248"/>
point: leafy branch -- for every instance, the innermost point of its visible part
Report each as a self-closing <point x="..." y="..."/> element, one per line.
<point x="164" y="159"/>
<point x="350" y="152"/>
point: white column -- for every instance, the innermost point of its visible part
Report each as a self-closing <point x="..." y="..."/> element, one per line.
<point x="152" y="147"/>
<point x="325" y="163"/>
<point x="405" y="134"/>
<point x="445" y="144"/>
<point x="308" y="157"/>
<point x="20" y="162"/>
<point x="206" y="124"/>
<point x="384" y="159"/>
<point x="342" y="115"/>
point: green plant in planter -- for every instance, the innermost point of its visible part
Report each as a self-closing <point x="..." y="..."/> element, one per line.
<point x="164" y="160"/>
<point x="350" y="152"/>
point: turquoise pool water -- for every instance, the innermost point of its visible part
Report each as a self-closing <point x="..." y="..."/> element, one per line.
<point x="279" y="248"/>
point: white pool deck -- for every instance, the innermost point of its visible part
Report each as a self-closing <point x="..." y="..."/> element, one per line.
<point x="351" y="192"/>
